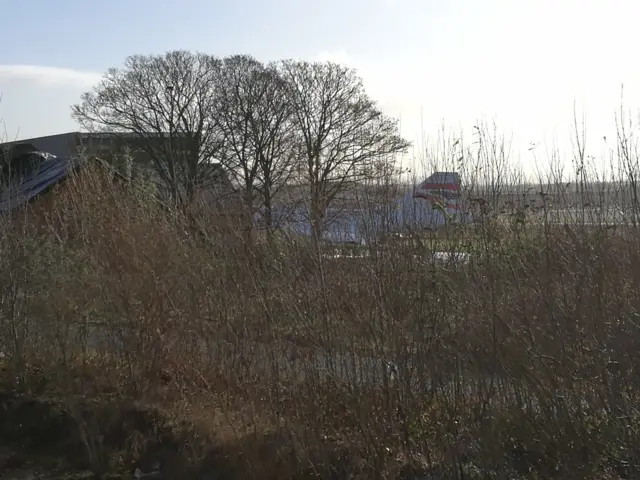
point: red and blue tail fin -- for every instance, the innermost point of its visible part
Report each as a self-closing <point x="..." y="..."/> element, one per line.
<point x="441" y="188"/>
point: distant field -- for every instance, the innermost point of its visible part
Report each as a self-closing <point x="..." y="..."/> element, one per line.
<point x="588" y="216"/>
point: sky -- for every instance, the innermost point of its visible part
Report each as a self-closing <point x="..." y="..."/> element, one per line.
<point x="526" y="65"/>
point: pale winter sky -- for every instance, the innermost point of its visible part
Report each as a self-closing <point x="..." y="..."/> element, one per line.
<point x="522" y="63"/>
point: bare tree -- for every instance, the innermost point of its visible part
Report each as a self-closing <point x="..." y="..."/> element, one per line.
<point x="165" y="104"/>
<point x="344" y="136"/>
<point x="234" y="108"/>
<point x="254" y="115"/>
<point x="275" y="139"/>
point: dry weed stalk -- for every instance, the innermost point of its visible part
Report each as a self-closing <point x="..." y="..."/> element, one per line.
<point x="521" y="361"/>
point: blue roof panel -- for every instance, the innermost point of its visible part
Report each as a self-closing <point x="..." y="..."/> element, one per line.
<point x="48" y="173"/>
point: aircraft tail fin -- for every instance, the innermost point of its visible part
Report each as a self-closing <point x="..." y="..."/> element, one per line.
<point x="440" y="188"/>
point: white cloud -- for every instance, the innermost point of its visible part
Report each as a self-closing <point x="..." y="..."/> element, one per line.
<point x="49" y="76"/>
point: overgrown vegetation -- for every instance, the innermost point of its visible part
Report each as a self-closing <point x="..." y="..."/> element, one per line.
<point x="130" y="339"/>
<point x="272" y="362"/>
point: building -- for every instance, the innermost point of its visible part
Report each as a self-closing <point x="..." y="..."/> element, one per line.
<point x="122" y="150"/>
<point x="97" y="143"/>
<point x="61" y="145"/>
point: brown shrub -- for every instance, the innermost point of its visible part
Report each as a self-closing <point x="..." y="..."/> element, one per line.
<point x="521" y="361"/>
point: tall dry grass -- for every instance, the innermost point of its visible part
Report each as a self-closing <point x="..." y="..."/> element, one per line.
<point x="163" y="337"/>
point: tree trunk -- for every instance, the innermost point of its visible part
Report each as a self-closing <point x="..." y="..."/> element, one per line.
<point x="268" y="213"/>
<point x="267" y="201"/>
<point x="318" y="211"/>
<point x="317" y="222"/>
<point x="248" y="224"/>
